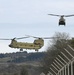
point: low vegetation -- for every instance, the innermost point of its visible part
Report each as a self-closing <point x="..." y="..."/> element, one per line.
<point x="20" y="63"/>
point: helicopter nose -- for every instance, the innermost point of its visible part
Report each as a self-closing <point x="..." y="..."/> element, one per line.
<point x="10" y="46"/>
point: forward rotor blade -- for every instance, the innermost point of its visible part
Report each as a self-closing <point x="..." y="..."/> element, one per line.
<point x="13" y="38"/>
<point x="68" y="15"/>
<point x="54" y="15"/>
<point x="4" y="39"/>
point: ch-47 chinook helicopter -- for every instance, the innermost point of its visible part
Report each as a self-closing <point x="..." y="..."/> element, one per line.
<point x="36" y="45"/>
<point x="61" y="20"/>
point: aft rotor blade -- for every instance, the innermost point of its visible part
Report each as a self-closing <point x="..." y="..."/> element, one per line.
<point x="49" y="37"/>
<point x="54" y="15"/>
<point x="31" y="36"/>
<point x="42" y="37"/>
<point x="22" y="38"/>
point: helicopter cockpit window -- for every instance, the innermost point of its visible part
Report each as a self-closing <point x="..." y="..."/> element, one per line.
<point x="61" y="23"/>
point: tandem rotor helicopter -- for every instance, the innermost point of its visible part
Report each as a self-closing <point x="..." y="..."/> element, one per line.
<point x="36" y="45"/>
<point x="61" y="20"/>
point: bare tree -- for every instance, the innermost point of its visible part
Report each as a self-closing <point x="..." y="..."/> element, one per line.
<point x="24" y="71"/>
<point x="58" y="43"/>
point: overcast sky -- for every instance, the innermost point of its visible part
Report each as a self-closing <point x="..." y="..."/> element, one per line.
<point x="30" y="17"/>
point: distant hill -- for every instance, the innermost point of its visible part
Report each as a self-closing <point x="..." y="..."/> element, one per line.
<point x="11" y="63"/>
<point x="19" y="57"/>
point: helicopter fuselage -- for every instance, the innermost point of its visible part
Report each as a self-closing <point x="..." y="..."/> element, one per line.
<point x="37" y="44"/>
<point x="61" y="21"/>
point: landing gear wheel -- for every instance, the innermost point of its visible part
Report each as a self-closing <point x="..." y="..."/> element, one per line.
<point x="36" y="50"/>
<point x="21" y="49"/>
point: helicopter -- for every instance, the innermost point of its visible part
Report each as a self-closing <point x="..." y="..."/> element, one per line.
<point x="61" y="20"/>
<point x="35" y="45"/>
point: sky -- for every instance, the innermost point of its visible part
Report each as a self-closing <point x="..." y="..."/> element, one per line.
<point x="30" y="17"/>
